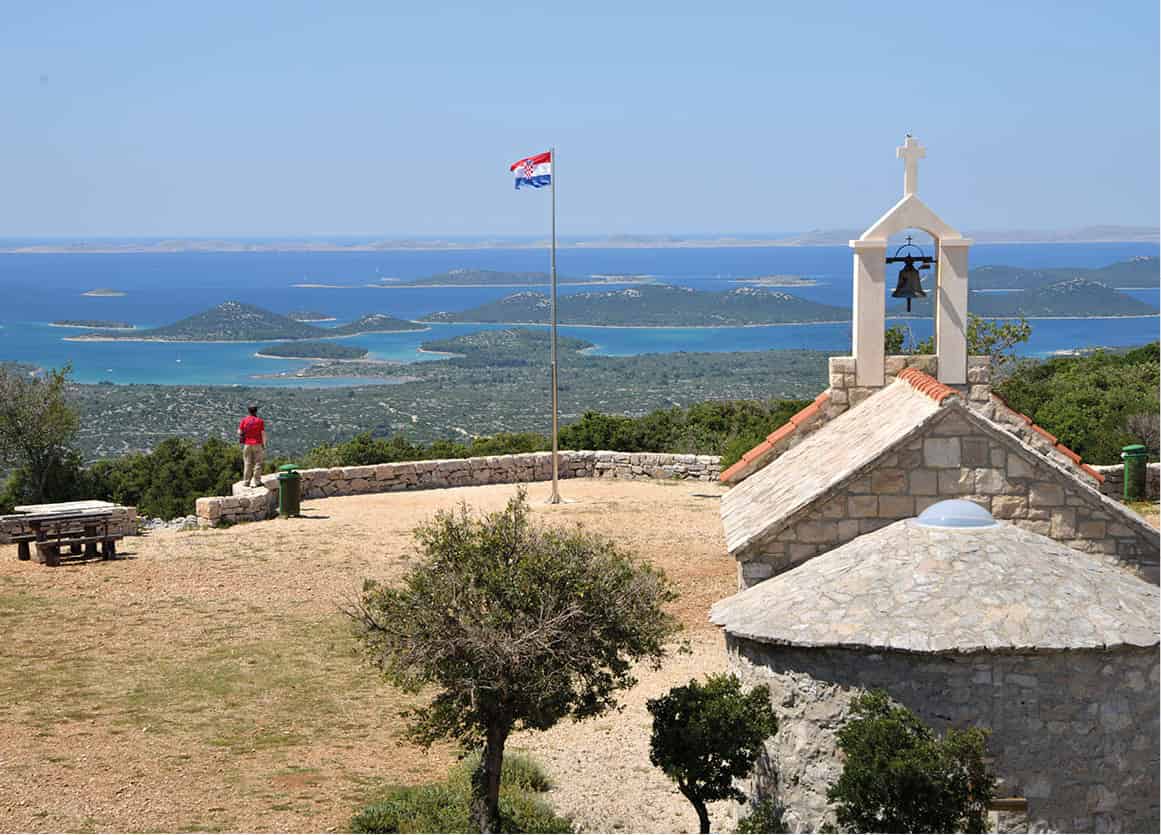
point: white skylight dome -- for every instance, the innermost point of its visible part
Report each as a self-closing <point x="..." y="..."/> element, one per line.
<point x="956" y="513"/>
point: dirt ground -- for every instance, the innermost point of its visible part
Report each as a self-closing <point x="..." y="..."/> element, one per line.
<point x="208" y="681"/>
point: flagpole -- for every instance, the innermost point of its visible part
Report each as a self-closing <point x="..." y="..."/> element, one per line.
<point x="555" y="497"/>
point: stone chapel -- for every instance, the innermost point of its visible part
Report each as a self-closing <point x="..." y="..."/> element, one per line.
<point x="909" y="531"/>
<point x="892" y="435"/>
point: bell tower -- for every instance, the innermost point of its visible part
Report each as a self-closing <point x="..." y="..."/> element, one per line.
<point x="870" y="291"/>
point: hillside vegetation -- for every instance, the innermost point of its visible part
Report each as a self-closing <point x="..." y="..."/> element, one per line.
<point x="1076" y="296"/>
<point x="654" y="306"/>
<point x="228" y="322"/>
<point x="374" y="323"/>
<point x="313" y="350"/>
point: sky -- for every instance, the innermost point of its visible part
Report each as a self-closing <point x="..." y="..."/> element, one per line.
<point x="387" y="119"/>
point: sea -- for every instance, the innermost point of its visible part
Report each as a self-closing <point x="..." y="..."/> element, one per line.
<point x="160" y="288"/>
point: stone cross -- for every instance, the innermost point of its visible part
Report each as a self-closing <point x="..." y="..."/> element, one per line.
<point x="910" y="152"/>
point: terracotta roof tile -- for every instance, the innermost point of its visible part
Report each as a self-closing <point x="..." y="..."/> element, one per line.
<point x="744" y="466"/>
<point x="1098" y="476"/>
<point x="805" y="415"/>
<point x="1068" y="452"/>
<point x="757" y="451"/>
<point x="729" y="473"/>
<point x="926" y="384"/>
<point x="1076" y="459"/>
<point x="781" y="433"/>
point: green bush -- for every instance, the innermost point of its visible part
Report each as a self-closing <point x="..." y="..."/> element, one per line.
<point x="899" y="776"/>
<point x="1087" y="401"/>
<point x="444" y="807"/>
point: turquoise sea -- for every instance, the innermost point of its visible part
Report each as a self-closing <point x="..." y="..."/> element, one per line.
<point x="161" y="288"/>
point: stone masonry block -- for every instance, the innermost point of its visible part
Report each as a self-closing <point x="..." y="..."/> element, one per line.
<point x="1009" y="507"/>
<point x="941" y="452"/>
<point x="956" y="482"/>
<point x="862" y="507"/>
<point x="924" y="482"/>
<point x="975" y="452"/>
<point x="1063" y="524"/>
<point x="888" y="481"/>
<point x="896" y="507"/>
<point x="1046" y="494"/>
<point x="990" y="482"/>
<point x="1018" y="467"/>
<point x="820" y="532"/>
<point x="1091" y="530"/>
<point x="842" y="365"/>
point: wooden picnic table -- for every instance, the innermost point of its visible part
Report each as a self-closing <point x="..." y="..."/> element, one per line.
<point x="78" y="526"/>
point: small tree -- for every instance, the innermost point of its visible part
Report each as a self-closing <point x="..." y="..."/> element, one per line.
<point x="985" y="337"/>
<point x="517" y="626"/>
<point x="37" y="428"/>
<point x="705" y="736"/>
<point x="899" y="776"/>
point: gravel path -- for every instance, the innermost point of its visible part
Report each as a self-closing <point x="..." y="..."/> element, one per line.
<point x="207" y="682"/>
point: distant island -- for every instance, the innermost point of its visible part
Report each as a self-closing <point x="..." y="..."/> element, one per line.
<point x="1074" y="297"/>
<point x="239" y="322"/>
<point x="309" y="316"/>
<point x="98" y="324"/>
<point x="103" y="291"/>
<point x="498" y="278"/>
<point x="776" y="281"/>
<point x="1141" y="272"/>
<point x="815" y="237"/>
<point x="508" y="348"/>
<point x="312" y="351"/>
<point x="374" y="323"/>
<point x="654" y="306"/>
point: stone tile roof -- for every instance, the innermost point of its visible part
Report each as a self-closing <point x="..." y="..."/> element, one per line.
<point x="915" y="588"/>
<point x="775" y="442"/>
<point x="823" y="459"/>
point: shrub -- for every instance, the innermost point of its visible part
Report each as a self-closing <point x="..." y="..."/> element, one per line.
<point x="706" y="736"/>
<point x="512" y="625"/>
<point x="446" y="807"/>
<point x="899" y="776"/>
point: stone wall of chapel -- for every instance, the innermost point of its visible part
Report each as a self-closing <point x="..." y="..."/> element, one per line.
<point x="953" y="458"/>
<point x="1076" y="733"/>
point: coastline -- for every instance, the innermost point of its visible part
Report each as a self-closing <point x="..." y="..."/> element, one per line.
<point x="317" y="359"/>
<point x="99" y="338"/>
<point x="93" y="327"/>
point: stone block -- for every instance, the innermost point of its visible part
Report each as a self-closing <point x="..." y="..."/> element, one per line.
<point x="975" y="452"/>
<point x="848" y="529"/>
<point x="894" y="364"/>
<point x="861" y="507"/>
<point x="1063" y="524"/>
<point x="924" y="482"/>
<point x="835" y="508"/>
<point x="888" y="480"/>
<point x="858" y="395"/>
<point x="941" y="452"/>
<point x="1046" y="494"/>
<point x="816" y="532"/>
<point x="1009" y="507"/>
<point x="924" y="502"/>
<point x="756" y="572"/>
<point x="997" y="456"/>
<point x="956" y="482"/>
<point x="990" y="482"/>
<point x="836" y="380"/>
<point x="980" y="393"/>
<point x="1091" y="530"/>
<point x="839" y="397"/>
<point x="842" y="365"/>
<point x="896" y="507"/>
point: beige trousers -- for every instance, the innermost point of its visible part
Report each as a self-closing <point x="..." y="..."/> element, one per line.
<point x="252" y="455"/>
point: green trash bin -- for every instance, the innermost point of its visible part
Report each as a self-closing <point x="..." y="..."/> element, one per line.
<point x="1136" y="464"/>
<point x="289" y="491"/>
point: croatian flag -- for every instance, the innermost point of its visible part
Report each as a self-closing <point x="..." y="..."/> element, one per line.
<point x="533" y="171"/>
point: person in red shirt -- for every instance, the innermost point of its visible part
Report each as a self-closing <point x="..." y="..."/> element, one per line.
<point x="252" y="437"/>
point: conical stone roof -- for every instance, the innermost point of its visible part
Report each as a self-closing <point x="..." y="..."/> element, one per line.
<point x="917" y="588"/>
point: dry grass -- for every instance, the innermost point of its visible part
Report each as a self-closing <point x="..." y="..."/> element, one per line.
<point x="209" y="681"/>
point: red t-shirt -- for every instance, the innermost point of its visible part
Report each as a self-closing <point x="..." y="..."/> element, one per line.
<point x="251" y="428"/>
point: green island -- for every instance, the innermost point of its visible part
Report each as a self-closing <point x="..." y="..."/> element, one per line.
<point x="100" y="324"/>
<point x="374" y="323"/>
<point x="1079" y="297"/>
<point x="659" y="305"/>
<point x="234" y="321"/>
<point x="312" y="351"/>
<point x="776" y="281"/>
<point x="1140" y="272"/>
<point x="499" y="278"/>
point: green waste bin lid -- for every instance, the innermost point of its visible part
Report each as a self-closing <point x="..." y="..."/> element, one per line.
<point x="1133" y="449"/>
<point x="288" y="468"/>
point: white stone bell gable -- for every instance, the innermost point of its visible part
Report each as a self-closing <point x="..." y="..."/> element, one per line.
<point x="870" y="290"/>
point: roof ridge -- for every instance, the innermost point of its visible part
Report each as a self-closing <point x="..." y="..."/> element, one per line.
<point x="1054" y="442"/>
<point x="924" y="383"/>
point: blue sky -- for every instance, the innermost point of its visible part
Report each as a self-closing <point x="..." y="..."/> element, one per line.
<point x="383" y="118"/>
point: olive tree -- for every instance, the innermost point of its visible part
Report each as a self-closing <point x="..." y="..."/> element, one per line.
<point x="705" y="736"/>
<point x="37" y="427"/>
<point x="900" y="776"/>
<point x="516" y="625"/>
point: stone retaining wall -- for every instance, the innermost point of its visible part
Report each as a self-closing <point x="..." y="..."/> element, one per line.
<point x="123" y="522"/>
<point x="1114" y="483"/>
<point x="253" y="504"/>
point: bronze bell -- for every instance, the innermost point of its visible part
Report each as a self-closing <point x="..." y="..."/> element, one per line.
<point x="909" y="286"/>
